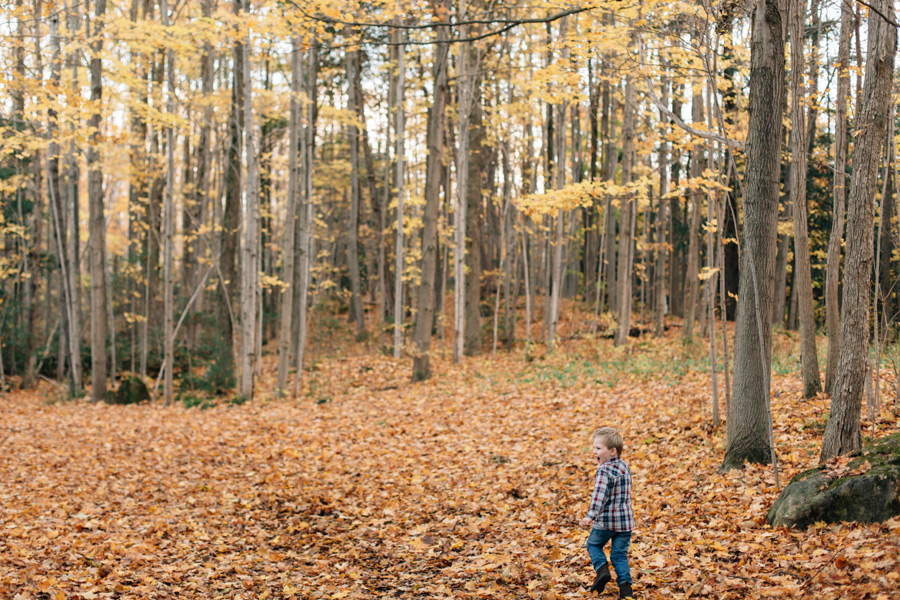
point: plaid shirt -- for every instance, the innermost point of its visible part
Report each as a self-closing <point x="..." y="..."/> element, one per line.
<point x="611" y="501"/>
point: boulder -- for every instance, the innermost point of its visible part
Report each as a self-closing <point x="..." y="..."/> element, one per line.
<point x="864" y="487"/>
<point x="131" y="391"/>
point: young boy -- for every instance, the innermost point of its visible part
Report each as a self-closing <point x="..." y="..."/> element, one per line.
<point x="610" y="515"/>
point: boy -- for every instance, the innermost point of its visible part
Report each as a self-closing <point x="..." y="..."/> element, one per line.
<point x="610" y="515"/>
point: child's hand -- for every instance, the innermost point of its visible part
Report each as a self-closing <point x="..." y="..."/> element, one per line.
<point x="585" y="522"/>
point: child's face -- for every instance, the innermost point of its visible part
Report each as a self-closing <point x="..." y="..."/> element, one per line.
<point x="602" y="453"/>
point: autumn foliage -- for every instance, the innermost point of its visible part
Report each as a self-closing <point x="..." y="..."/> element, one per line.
<point x="469" y="485"/>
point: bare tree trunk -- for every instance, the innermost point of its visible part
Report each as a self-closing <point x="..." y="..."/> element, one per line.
<point x="98" y="222"/>
<point x="610" y="160"/>
<point x="886" y="193"/>
<point x="169" y="223"/>
<point x="72" y="222"/>
<point x="400" y="132"/>
<point x="57" y="209"/>
<point x="558" y="276"/>
<point x="465" y="88"/>
<point x="250" y="262"/>
<point x="306" y="222"/>
<point x="434" y="162"/>
<point x="204" y="155"/>
<point x="356" y="312"/>
<point x="692" y="283"/>
<point x="802" y="275"/>
<point x="289" y="247"/>
<point x="749" y="434"/>
<point x="842" y="434"/>
<point x="662" y="226"/>
<point x="231" y="217"/>
<point x="628" y="210"/>
<point x="832" y="308"/>
<point x="474" y="222"/>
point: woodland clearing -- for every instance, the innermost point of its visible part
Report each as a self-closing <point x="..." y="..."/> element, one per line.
<point x="468" y="485"/>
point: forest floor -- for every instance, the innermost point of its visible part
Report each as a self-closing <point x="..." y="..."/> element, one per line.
<point x="469" y="485"/>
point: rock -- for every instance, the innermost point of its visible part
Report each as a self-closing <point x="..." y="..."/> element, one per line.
<point x="131" y="391"/>
<point x="863" y="487"/>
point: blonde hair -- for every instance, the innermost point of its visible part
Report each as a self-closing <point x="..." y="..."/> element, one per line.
<point x="610" y="438"/>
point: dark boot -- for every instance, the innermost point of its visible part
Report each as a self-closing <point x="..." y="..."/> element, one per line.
<point x="602" y="579"/>
<point x="625" y="591"/>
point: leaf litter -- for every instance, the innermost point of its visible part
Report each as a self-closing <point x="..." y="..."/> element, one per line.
<point x="469" y="485"/>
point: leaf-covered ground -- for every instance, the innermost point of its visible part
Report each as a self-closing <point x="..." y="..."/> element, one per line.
<point x="466" y="486"/>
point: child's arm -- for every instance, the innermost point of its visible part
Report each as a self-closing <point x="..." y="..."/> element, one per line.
<point x="601" y="486"/>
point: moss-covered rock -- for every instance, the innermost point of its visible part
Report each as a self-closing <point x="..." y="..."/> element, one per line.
<point x="131" y="391"/>
<point x="864" y="487"/>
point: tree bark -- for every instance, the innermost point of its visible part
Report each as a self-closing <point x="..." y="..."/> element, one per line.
<point x="288" y="248"/>
<point x="250" y="262"/>
<point x="356" y="312"/>
<point x="98" y="222"/>
<point x="306" y="223"/>
<point x="809" y="359"/>
<point x="628" y="211"/>
<point x="230" y="219"/>
<point x="662" y="225"/>
<point x="433" y="166"/>
<point x="474" y="223"/>
<point x="399" y="184"/>
<point x="692" y="283"/>
<point x="842" y="433"/>
<point x="832" y="274"/>
<point x="74" y="237"/>
<point x="748" y="435"/>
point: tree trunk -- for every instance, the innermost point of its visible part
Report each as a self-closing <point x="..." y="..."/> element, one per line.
<point x="288" y="248"/>
<point x="400" y="132"/>
<point x="662" y="226"/>
<point x="474" y="222"/>
<point x="676" y="257"/>
<point x="356" y="312"/>
<point x="832" y="274"/>
<point x="74" y="236"/>
<point x="230" y="219"/>
<point x="464" y="106"/>
<point x="809" y="359"/>
<point x="98" y="222"/>
<point x="305" y="257"/>
<point x="67" y="344"/>
<point x="692" y="283"/>
<point x="842" y="433"/>
<point x="433" y="167"/>
<point x="610" y="161"/>
<point x="749" y="435"/>
<point x="629" y="214"/>
<point x="250" y="262"/>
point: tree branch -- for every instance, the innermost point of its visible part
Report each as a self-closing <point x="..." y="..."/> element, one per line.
<point x="507" y="25"/>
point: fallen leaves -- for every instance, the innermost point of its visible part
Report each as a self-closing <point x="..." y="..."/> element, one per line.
<point x="466" y="486"/>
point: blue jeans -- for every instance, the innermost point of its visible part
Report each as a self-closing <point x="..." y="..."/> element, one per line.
<point x="618" y="553"/>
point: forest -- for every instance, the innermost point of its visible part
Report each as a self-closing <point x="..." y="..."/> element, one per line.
<point x="236" y="204"/>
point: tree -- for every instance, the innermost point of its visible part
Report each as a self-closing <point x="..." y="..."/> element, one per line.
<point x="802" y="278"/>
<point x="293" y="191"/>
<point x="98" y="222"/>
<point x="356" y="313"/>
<point x="250" y="251"/>
<point x="832" y="308"/>
<point x="628" y="209"/>
<point x="748" y="436"/>
<point x="842" y="433"/>
<point x="435" y="143"/>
